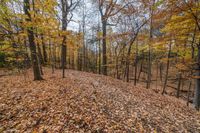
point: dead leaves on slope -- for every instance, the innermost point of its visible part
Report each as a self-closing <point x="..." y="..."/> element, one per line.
<point x="84" y="102"/>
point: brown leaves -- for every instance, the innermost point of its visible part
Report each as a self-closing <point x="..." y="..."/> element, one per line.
<point x="84" y="102"/>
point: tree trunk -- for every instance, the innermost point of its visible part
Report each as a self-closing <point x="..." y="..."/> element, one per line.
<point x="136" y="64"/>
<point x="40" y="59"/>
<point x="128" y="63"/>
<point x="150" y="50"/>
<point x="188" y="95"/>
<point x="141" y="66"/>
<point x="149" y="68"/>
<point x="80" y="59"/>
<point x="65" y="10"/>
<point x="44" y="50"/>
<point x="128" y="57"/>
<point x="84" y="55"/>
<point x="117" y="68"/>
<point x="167" y="70"/>
<point x="51" y="55"/>
<point x="179" y="85"/>
<point x="157" y="67"/>
<point x="104" y="59"/>
<point x="197" y="88"/>
<point x="73" y="64"/>
<point x="40" y="54"/>
<point x="36" y="69"/>
<point x="127" y="70"/>
<point x="99" y="56"/>
<point x="84" y="44"/>
<point x="96" y="60"/>
<point x="63" y="59"/>
<point x="161" y="68"/>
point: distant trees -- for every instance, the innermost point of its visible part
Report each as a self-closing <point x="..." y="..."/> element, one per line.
<point x="182" y="31"/>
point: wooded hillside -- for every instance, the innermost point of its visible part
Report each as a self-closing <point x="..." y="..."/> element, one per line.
<point x="153" y="45"/>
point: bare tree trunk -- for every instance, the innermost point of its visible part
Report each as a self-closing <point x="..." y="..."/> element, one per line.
<point x="150" y="50"/>
<point x="59" y="57"/>
<point x="149" y="68"/>
<point x="179" y="85"/>
<point x="79" y="60"/>
<point x="84" y="44"/>
<point x="63" y="59"/>
<point x="136" y="64"/>
<point x="192" y="44"/>
<point x="161" y="68"/>
<point x="51" y="56"/>
<point x="128" y="57"/>
<point x="197" y="88"/>
<point x="188" y="96"/>
<point x="104" y="59"/>
<point x="44" y="50"/>
<point x="128" y="62"/>
<point x="54" y="57"/>
<point x="99" y="56"/>
<point x="167" y="70"/>
<point x="121" y="64"/>
<point x="96" y="56"/>
<point x="127" y="70"/>
<point x="117" y="68"/>
<point x="73" y="64"/>
<point x="141" y="66"/>
<point x="40" y="54"/>
<point x="40" y="59"/>
<point x="36" y="69"/>
<point x="65" y="10"/>
<point x="157" y="67"/>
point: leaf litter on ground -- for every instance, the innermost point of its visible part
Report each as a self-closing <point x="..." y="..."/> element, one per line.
<point x="86" y="102"/>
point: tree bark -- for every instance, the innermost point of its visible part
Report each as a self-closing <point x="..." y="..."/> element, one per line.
<point x="141" y="66"/>
<point x="63" y="59"/>
<point x="167" y="70"/>
<point x="44" y="50"/>
<point x="84" y="44"/>
<point x="40" y="54"/>
<point x="104" y="59"/>
<point x="188" y="95"/>
<point x="197" y="88"/>
<point x="179" y="85"/>
<point x="99" y="56"/>
<point x="36" y="69"/>
<point x="128" y="62"/>
<point x="150" y="50"/>
<point x="40" y="58"/>
<point x="160" y="70"/>
<point x="136" y="64"/>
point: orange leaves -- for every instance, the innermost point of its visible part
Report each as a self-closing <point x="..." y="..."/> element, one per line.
<point x="181" y="67"/>
<point x="85" y="102"/>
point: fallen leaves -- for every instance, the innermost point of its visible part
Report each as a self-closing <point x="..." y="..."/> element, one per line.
<point x="84" y="102"/>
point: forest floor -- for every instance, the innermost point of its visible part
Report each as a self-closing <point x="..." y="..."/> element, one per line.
<point x="85" y="102"/>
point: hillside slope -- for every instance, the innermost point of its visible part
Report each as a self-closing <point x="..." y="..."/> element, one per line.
<point x="84" y="102"/>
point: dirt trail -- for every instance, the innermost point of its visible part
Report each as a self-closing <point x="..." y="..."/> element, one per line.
<point x="85" y="102"/>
